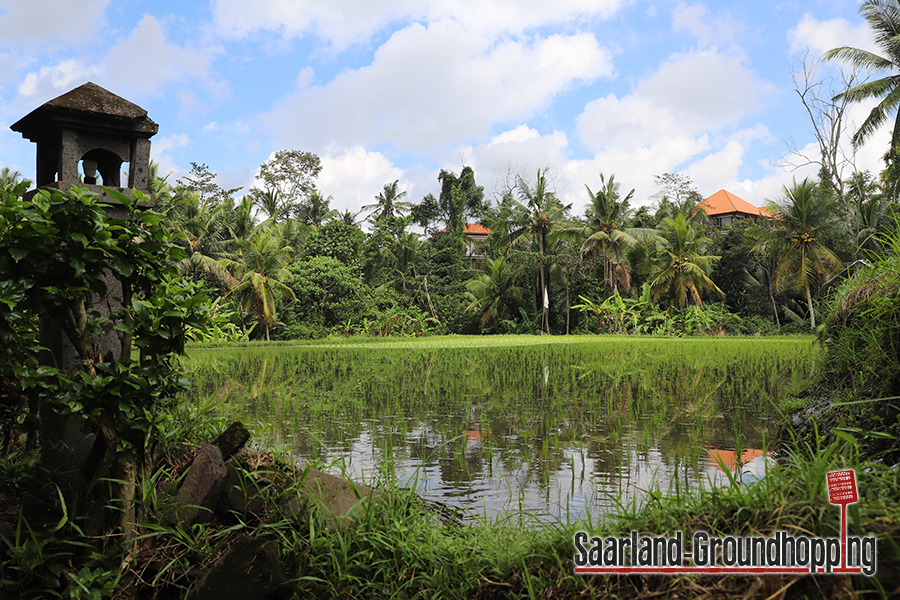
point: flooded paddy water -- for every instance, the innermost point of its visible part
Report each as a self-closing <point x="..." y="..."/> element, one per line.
<point x="555" y="427"/>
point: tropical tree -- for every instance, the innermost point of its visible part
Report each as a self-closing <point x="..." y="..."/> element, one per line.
<point x="268" y="200"/>
<point x="531" y="219"/>
<point x="400" y="258"/>
<point x="292" y="173"/>
<point x="493" y="294"/>
<point x="388" y="203"/>
<point x="681" y="266"/>
<point x="201" y="181"/>
<point x="316" y="209"/>
<point x="200" y="229"/>
<point x="883" y="17"/>
<point x="9" y="179"/>
<point x="802" y="218"/>
<point x="606" y="234"/>
<point x="677" y="194"/>
<point x="260" y="270"/>
<point x="869" y="211"/>
<point x="348" y="217"/>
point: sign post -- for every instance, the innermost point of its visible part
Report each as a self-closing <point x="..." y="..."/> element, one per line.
<point x="842" y="490"/>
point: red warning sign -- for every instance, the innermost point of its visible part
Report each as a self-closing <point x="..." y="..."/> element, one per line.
<point x="842" y="487"/>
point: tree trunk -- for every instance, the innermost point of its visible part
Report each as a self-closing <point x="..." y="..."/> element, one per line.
<point x="545" y="300"/>
<point x="774" y="308"/>
<point x="812" y="315"/>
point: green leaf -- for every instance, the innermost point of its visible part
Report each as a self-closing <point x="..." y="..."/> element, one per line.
<point x="151" y="218"/>
<point x="845" y="436"/>
<point x="80" y="238"/>
<point x="122" y="266"/>
<point x="18" y="253"/>
<point x="117" y="196"/>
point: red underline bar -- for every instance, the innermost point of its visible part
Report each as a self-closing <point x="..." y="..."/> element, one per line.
<point x="710" y="570"/>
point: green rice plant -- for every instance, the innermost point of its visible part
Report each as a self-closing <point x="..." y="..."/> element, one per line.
<point x="539" y="396"/>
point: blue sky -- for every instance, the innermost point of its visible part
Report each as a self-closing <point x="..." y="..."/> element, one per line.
<point x="399" y="89"/>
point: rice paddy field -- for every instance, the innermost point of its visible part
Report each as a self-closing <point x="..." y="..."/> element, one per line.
<point x="551" y="428"/>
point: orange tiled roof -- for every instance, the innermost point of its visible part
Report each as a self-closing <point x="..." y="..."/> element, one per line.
<point x="474" y="229"/>
<point x="724" y="202"/>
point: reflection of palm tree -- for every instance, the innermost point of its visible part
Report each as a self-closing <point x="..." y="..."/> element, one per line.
<point x="388" y="202"/>
<point x="261" y="272"/>
<point x="801" y="219"/>
<point x="681" y="266"/>
<point x="494" y="294"/>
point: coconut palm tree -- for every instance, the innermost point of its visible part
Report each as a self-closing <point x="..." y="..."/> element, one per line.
<point x="203" y="231"/>
<point x="606" y="235"/>
<point x="531" y="219"/>
<point x="400" y="258"/>
<point x="316" y="209"/>
<point x="260" y="270"/>
<point x="493" y="294"/>
<point x="883" y="17"/>
<point x="681" y="267"/>
<point x="348" y="217"/>
<point x="9" y="179"/>
<point x="388" y="203"/>
<point x="269" y="202"/>
<point x="801" y="219"/>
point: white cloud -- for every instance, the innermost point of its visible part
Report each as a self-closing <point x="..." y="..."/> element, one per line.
<point x="634" y="167"/>
<point x="143" y="61"/>
<point x="717" y="169"/>
<point x="821" y="36"/>
<point x="50" y="81"/>
<point x="668" y="121"/>
<point x="343" y="22"/>
<point x="34" y="22"/>
<point x="429" y="87"/>
<point x="720" y="169"/>
<point x="523" y="149"/>
<point x="688" y="95"/>
<point x="354" y="176"/>
<point x="519" y="134"/>
<point x="159" y="153"/>
<point x="695" y="19"/>
<point x="135" y="66"/>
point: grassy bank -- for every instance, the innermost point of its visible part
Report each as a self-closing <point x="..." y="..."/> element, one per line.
<point x="400" y="550"/>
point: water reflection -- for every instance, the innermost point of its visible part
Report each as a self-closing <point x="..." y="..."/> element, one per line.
<point x="558" y="431"/>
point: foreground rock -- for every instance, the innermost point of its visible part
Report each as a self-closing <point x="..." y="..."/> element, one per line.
<point x="341" y="501"/>
<point x="199" y="493"/>
<point x="249" y="570"/>
<point x="230" y="483"/>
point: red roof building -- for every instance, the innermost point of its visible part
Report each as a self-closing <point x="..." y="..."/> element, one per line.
<point x="724" y="208"/>
<point x="474" y="234"/>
